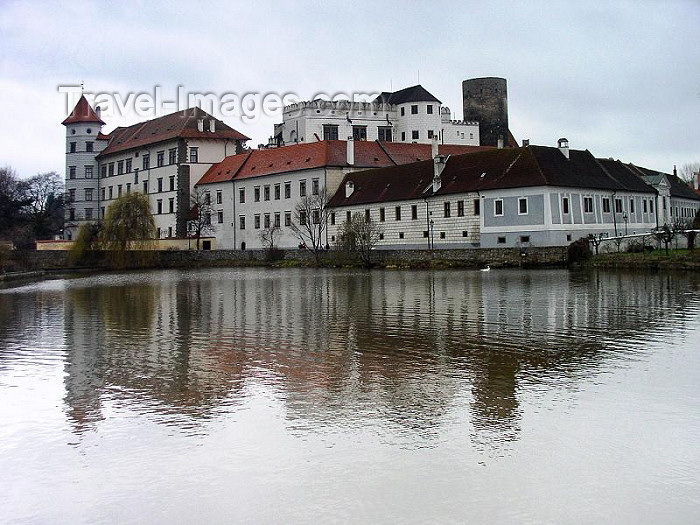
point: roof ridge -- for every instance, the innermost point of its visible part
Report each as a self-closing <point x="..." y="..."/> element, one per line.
<point x="386" y="152"/>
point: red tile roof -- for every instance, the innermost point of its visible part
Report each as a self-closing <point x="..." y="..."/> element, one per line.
<point x="327" y="153"/>
<point x="82" y="112"/>
<point x="182" y="124"/>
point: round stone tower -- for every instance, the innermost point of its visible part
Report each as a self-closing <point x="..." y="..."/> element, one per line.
<point x="486" y="101"/>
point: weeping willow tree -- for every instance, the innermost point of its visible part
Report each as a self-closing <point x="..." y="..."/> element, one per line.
<point x="128" y="225"/>
<point x="85" y="243"/>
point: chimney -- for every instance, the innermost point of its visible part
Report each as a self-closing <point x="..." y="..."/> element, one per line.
<point x="434" y="147"/>
<point x="212" y="125"/>
<point x="563" y="145"/>
<point x="439" y="163"/>
<point x="349" y="189"/>
<point x="500" y="142"/>
<point x="351" y="151"/>
<point x="526" y="143"/>
<point x="200" y="124"/>
<point x="98" y="112"/>
<point x="675" y="172"/>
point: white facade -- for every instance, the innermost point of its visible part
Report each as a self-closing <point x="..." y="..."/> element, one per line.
<point x="409" y="122"/>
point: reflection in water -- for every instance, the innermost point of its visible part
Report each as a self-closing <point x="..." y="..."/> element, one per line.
<point x="393" y="350"/>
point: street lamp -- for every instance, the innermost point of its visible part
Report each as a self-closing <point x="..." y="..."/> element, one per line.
<point x="624" y="218"/>
<point x="432" y="238"/>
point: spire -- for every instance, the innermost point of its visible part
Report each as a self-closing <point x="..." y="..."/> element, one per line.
<point x="82" y="112"/>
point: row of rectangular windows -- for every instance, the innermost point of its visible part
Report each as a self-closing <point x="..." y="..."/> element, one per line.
<point x="447" y="211"/>
<point x="498" y="206"/>
<point x="267" y="190"/>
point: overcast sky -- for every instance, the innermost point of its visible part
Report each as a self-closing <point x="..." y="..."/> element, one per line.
<point x="621" y="79"/>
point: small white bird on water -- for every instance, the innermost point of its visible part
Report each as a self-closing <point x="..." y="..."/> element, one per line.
<point x="488" y="268"/>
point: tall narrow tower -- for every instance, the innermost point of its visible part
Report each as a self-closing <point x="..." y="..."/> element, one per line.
<point x="83" y="126"/>
<point x="486" y="101"/>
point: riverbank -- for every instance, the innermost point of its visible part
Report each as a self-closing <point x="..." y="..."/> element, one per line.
<point x="684" y="260"/>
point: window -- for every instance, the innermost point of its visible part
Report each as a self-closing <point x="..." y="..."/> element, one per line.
<point x="522" y="206"/>
<point x="618" y="205"/>
<point x="111" y="169"/>
<point x="128" y="165"/>
<point x="88" y="214"/>
<point x="465" y="233"/>
<point x="415" y="134"/>
<point x="171" y="205"/>
<point x="278" y="189"/>
<point x="316" y="216"/>
<point x="302" y="188"/>
<point x="382" y="214"/>
<point x="71" y="172"/>
<point x="430" y="134"/>
<point x="314" y="186"/>
<point x="256" y="193"/>
<point x="207" y="218"/>
<point x="71" y="195"/>
<point x="241" y="195"/>
<point x="332" y="218"/>
<point x="588" y="205"/>
<point x="348" y="216"/>
<point x="71" y="214"/>
<point x="368" y="217"/>
<point x="287" y="218"/>
<point x="158" y="233"/>
<point x="266" y="220"/>
<point x="172" y="156"/>
<point x="403" y="111"/>
<point x="88" y="172"/>
<point x="194" y="155"/>
<point x="501" y="240"/>
<point x="119" y="190"/>
<point x="442" y="235"/>
<point x="159" y="206"/>
<point x="606" y="205"/>
<point x="219" y="197"/>
<point x="330" y="132"/>
<point x="145" y="186"/>
<point x="88" y="194"/>
<point x="89" y="146"/>
<point x="207" y="198"/>
<point x="287" y="190"/>
<point x="170" y="231"/>
<point x="524" y="238"/>
<point x="111" y="192"/>
<point x="302" y="217"/>
<point x="498" y="207"/>
<point x="266" y="192"/>
<point x="384" y="133"/>
<point x="400" y="235"/>
<point x="256" y="221"/>
<point x="104" y="193"/>
<point x="359" y="133"/>
<point x="120" y="167"/>
<point x="447" y="210"/>
<point x="644" y="205"/>
<point x="160" y="184"/>
<point x="277" y="220"/>
<point x="146" y="161"/>
<point x="425" y="234"/>
<point x="241" y="222"/>
<point x="160" y="158"/>
<point x="632" y="205"/>
<point x="477" y="207"/>
<point x="128" y="188"/>
<point x="651" y="206"/>
<point x="403" y="136"/>
<point x="103" y="170"/>
<point x="72" y="147"/>
<point x="414" y="109"/>
<point x="460" y="208"/>
<point x="429" y="109"/>
<point x="397" y="213"/>
<point x="172" y="183"/>
<point x="565" y="205"/>
<point x="414" y="212"/>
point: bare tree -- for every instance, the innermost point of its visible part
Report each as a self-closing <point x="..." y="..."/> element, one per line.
<point x="310" y="221"/>
<point x="688" y="173"/>
<point x="47" y="203"/>
<point x="360" y="235"/>
<point x="268" y="238"/>
<point x="596" y="239"/>
<point x="199" y="219"/>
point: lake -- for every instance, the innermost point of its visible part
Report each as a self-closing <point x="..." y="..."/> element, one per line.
<point x="346" y="396"/>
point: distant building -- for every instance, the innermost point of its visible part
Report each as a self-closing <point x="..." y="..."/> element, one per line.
<point x="513" y="197"/>
<point x="162" y="158"/>
<point x="410" y="115"/>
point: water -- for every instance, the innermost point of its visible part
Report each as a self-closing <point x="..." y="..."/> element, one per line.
<point x="300" y="396"/>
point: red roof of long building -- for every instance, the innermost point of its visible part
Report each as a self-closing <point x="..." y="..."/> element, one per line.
<point x="182" y="124"/>
<point x="82" y="113"/>
<point x="327" y="153"/>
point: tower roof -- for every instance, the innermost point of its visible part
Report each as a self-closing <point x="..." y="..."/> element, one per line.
<point x="415" y="93"/>
<point x="82" y="112"/>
